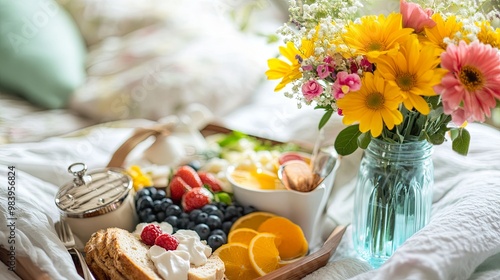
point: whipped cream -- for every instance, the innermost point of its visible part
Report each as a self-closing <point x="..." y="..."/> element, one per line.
<point x="175" y="264"/>
<point x="170" y="264"/>
<point x="189" y="241"/>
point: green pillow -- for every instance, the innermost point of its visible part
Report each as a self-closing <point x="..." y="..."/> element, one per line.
<point x="41" y="52"/>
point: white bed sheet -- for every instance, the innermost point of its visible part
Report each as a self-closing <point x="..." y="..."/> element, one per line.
<point x="465" y="189"/>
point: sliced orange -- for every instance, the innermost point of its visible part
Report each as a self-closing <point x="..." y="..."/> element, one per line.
<point x="283" y="263"/>
<point x="263" y="253"/>
<point x="252" y="220"/>
<point x="241" y="235"/>
<point x="236" y="261"/>
<point x="290" y="239"/>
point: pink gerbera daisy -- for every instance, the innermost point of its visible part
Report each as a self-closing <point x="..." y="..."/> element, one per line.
<point x="472" y="84"/>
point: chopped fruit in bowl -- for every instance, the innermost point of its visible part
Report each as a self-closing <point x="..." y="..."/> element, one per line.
<point x="255" y="177"/>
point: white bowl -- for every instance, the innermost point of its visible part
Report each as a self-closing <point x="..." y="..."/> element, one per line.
<point x="303" y="208"/>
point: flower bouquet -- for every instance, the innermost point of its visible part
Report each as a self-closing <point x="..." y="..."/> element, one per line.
<point x="401" y="82"/>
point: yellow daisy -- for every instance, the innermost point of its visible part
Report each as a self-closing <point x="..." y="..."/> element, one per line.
<point x="443" y="29"/>
<point x="376" y="35"/>
<point x="374" y="105"/>
<point x="288" y="72"/>
<point x="488" y="35"/>
<point x="413" y="70"/>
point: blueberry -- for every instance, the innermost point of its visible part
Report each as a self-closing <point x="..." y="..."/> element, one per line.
<point x="239" y="211"/>
<point x="165" y="203"/>
<point x="191" y="225"/>
<point x="142" y="192"/>
<point x="159" y="195"/>
<point x="215" y="241"/>
<point x="150" y="218"/>
<point x="231" y="212"/>
<point x="218" y="213"/>
<point x="144" y="202"/>
<point x="221" y="205"/>
<point x="152" y="190"/>
<point x="194" y="214"/>
<point x="201" y="218"/>
<point x="202" y="230"/>
<point x="209" y="208"/>
<point x="195" y="164"/>
<point x="248" y="209"/>
<point x="160" y="216"/>
<point x="173" y="210"/>
<point x="183" y="222"/>
<point x="172" y="220"/>
<point x="213" y="221"/>
<point x="143" y="214"/>
<point x="157" y="206"/>
<point x="226" y="226"/>
<point x="184" y="215"/>
<point x="221" y="233"/>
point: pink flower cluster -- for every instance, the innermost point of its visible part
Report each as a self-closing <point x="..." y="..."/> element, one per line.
<point x="345" y="80"/>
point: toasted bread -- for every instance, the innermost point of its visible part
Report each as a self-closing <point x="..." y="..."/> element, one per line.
<point x="131" y="255"/>
<point x="117" y="254"/>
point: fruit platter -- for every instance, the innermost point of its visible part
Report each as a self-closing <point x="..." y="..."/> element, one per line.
<point x="193" y="223"/>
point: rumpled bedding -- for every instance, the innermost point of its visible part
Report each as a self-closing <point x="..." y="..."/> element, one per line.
<point x="461" y="242"/>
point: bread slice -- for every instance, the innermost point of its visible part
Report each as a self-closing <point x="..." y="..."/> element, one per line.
<point x="106" y="251"/>
<point x="101" y="262"/>
<point x="90" y="255"/>
<point x="213" y="269"/>
<point x="131" y="255"/>
<point x="117" y="254"/>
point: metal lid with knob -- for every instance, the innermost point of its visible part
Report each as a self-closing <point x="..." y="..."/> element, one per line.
<point x="93" y="193"/>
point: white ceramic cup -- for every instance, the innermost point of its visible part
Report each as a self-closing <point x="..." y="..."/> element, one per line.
<point x="303" y="208"/>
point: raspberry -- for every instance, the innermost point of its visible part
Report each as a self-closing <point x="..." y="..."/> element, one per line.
<point x="189" y="175"/>
<point x="211" y="181"/>
<point x="150" y="233"/>
<point x="178" y="188"/>
<point x="167" y="241"/>
<point x="196" y="198"/>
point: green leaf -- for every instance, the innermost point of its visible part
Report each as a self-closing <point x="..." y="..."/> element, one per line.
<point x="325" y="118"/>
<point x="347" y="140"/>
<point x="231" y="138"/>
<point x="454" y="134"/>
<point x="364" y="139"/>
<point x="223" y="197"/>
<point x="438" y="137"/>
<point x="461" y="142"/>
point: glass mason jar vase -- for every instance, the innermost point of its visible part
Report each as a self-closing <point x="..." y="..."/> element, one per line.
<point x="393" y="197"/>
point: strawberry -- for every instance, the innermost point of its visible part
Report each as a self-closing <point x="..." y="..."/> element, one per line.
<point x="178" y="188"/>
<point x="196" y="198"/>
<point x="189" y="175"/>
<point x="211" y="181"/>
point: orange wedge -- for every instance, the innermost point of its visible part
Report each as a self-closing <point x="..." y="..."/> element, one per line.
<point x="290" y="239"/>
<point x="241" y="235"/>
<point x="252" y="220"/>
<point x="236" y="261"/>
<point x="264" y="256"/>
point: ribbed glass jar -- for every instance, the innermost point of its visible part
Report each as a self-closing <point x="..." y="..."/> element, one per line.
<point x="393" y="197"/>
